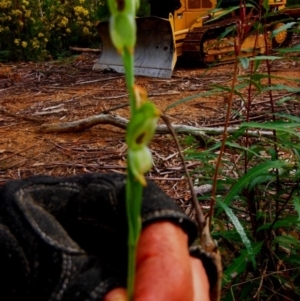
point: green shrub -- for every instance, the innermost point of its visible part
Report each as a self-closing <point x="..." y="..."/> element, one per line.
<point x="254" y="173"/>
<point x="33" y="30"/>
<point x="41" y="29"/>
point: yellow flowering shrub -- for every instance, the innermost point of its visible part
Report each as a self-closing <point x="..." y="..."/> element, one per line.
<point x="79" y="10"/>
<point x="35" y="30"/>
<point x="5" y="4"/>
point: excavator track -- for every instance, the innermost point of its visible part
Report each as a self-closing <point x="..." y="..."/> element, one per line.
<point x="203" y="44"/>
<point x="202" y="40"/>
<point x="284" y="37"/>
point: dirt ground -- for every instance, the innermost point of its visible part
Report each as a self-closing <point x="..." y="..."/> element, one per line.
<point x="32" y="94"/>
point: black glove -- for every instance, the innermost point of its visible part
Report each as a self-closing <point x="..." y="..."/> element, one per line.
<point x="66" y="238"/>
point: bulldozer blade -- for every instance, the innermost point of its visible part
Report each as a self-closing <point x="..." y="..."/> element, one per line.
<point x="154" y="53"/>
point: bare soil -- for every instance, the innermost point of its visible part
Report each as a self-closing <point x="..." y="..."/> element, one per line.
<point x="32" y="94"/>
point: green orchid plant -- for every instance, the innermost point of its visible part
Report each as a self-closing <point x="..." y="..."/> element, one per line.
<point x="141" y="126"/>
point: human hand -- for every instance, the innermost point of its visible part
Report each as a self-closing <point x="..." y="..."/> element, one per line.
<point x="64" y="219"/>
<point x="165" y="270"/>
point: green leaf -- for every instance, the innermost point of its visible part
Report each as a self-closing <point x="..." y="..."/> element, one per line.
<point x="249" y="151"/>
<point x="227" y="31"/>
<point x="256" y="65"/>
<point x="286" y="222"/>
<point x="239" y="228"/>
<point x="201" y="156"/>
<point x="254" y="151"/>
<point x="282" y="28"/>
<point x="266" y="4"/>
<point x="294" y="259"/>
<point x="289" y="117"/>
<point x="284" y="99"/>
<point x="237" y="267"/>
<point x="282" y="87"/>
<point x="287" y="241"/>
<point x="244" y="62"/>
<point x="253" y="173"/>
<point x="280" y="126"/>
<point x="260" y="179"/>
<point x="257" y="76"/>
<point x="239" y="264"/>
<point x="229" y="234"/>
<point x="255" y="83"/>
<point x="289" y="50"/>
<point x="296" y="201"/>
<point x="218" y="13"/>
<point x="265" y="57"/>
<point x="219" y="88"/>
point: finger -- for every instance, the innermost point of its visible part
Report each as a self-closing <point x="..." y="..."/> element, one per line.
<point x="163" y="264"/>
<point x="200" y="280"/>
<point x="117" y="294"/>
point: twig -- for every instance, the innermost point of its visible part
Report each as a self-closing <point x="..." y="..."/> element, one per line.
<point x="78" y="49"/>
<point x="32" y="119"/>
<point x="124" y="105"/>
<point x="50" y="112"/>
<point x="111" y="97"/>
<point x="165" y="179"/>
<point x="163" y="93"/>
<point x="14" y="154"/>
<point x="97" y="80"/>
<point x="199" y="214"/>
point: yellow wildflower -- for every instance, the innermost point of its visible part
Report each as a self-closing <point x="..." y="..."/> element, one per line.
<point x="79" y="10"/>
<point x="35" y="44"/>
<point x="5" y="4"/>
<point x="40" y="35"/>
<point x="86" y="31"/>
<point x="64" y="21"/>
<point x="27" y="13"/>
<point x="17" y="42"/>
<point x="24" y="44"/>
<point x="16" y="12"/>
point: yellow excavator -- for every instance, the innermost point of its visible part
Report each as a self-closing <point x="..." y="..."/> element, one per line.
<point x="199" y="31"/>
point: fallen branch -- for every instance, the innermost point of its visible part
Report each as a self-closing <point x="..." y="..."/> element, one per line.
<point x="78" y="49"/>
<point x="83" y="124"/>
<point x="121" y="122"/>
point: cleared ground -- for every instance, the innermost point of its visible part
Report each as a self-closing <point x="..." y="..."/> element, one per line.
<point x="32" y="94"/>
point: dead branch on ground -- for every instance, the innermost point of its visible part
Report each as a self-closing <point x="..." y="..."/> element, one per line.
<point x="121" y="122"/>
<point x="79" y="49"/>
